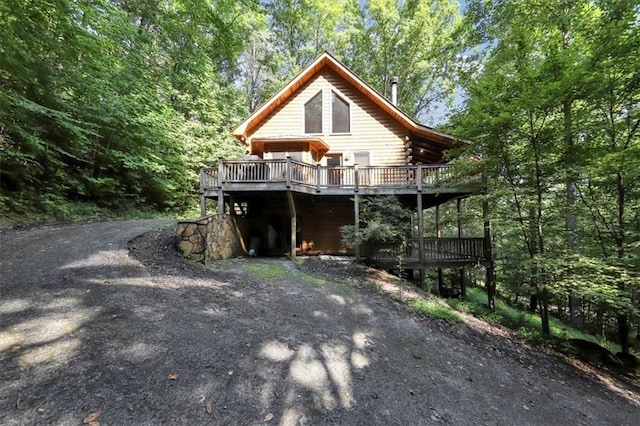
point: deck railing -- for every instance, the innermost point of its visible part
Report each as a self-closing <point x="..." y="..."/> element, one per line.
<point x="322" y="177"/>
<point x="436" y="249"/>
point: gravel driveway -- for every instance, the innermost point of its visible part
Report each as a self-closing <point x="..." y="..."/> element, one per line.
<point x="92" y="334"/>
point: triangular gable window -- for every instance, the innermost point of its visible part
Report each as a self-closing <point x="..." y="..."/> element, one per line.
<point x="340" y="116"/>
<point x="313" y="114"/>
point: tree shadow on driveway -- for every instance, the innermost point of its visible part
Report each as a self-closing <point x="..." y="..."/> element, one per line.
<point x="163" y="341"/>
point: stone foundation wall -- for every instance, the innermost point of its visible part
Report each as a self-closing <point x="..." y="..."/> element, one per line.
<point x="211" y="237"/>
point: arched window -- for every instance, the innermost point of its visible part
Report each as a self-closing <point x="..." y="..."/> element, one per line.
<point x="340" y="115"/>
<point x="313" y="114"/>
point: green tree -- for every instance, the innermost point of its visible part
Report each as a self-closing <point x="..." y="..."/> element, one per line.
<point x="114" y="103"/>
<point x="384" y="225"/>
<point x="553" y="109"/>
<point x="417" y="41"/>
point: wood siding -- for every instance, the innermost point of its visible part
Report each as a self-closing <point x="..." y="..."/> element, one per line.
<point x="321" y="219"/>
<point x="372" y="129"/>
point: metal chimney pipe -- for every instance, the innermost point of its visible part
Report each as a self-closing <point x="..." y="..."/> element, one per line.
<point x="394" y="90"/>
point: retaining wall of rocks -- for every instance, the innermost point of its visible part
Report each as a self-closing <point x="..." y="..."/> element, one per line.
<point x="211" y="237"/>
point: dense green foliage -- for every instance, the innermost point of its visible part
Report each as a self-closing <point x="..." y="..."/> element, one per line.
<point x="116" y="103"/>
<point x="554" y="108"/>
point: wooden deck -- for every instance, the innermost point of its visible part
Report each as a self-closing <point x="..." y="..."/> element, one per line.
<point x="440" y="252"/>
<point x="289" y="176"/>
<point x="292" y="175"/>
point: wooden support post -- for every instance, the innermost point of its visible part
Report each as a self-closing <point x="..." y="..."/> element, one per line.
<point x="220" y="183"/>
<point x="420" y="237"/>
<point x="420" y="230"/>
<point x="220" y="202"/>
<point x="318" y="177"/>
<point x="292" y="212"/>
<point x="356" y="177"/>
<point x="490" y="282"/>
<point x="289" y="172"/>
<point x="232" y="205"/>
<point x="220" y="172"/>
<point x="463" y="290"/>
<point x="356" y="210"/>
<point x="439" y="235"/>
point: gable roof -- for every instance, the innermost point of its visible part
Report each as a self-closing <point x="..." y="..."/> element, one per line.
<point x="427" y="145"/>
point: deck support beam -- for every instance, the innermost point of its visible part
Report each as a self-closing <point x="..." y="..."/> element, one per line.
<point x="356" y="219"/>
<point x="420" y="236"/>
<point x="292" y="212"/>
<point x="220" y="202"/>
<point x="439" y="235"/>
<point x="232" y="205"/>
<point x="463" y="290"/>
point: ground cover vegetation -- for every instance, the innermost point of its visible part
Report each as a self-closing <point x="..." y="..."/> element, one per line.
<point x="112" y="105"/>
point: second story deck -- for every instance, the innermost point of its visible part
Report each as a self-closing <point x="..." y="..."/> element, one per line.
<point x="288" y="174"/>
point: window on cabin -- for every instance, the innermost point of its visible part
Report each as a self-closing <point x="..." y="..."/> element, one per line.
<point x="340" y="115"/>
<point x="313" y="114"/>
<point x="362" y="158"/>
<point x="334" y="160"/>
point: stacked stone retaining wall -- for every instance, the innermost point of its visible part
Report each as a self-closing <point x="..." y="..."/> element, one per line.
<point x="211" y="237"/>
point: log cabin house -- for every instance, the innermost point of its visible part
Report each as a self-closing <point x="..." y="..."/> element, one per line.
<point x="316" y="147"/>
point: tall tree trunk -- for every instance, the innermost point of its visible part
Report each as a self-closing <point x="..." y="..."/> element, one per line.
<point x="571" y="218"/>
<point x="623" y="319"/>
<point x="533" y="250"/>
<point x="544" y="312"/>
<point x="540" y="234"/>
<point x="623" y="333"/>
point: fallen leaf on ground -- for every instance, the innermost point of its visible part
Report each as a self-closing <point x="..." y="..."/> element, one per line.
<point x="268" y="417"/>
<point x="173" y="376"/>
<point x="91" y="418"/>
<point x="209" y="408"/>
